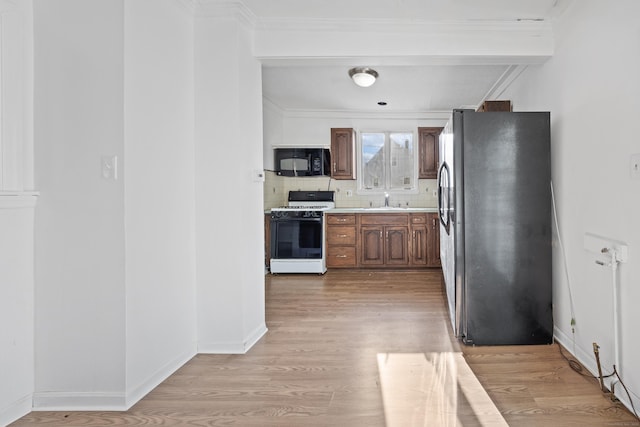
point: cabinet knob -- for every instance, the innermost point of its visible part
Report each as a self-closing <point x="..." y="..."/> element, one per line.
<point x="341" y="256"/>
<point x="342" y="235"/>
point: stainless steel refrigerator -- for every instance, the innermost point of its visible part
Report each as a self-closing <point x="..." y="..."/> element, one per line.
<point x="494" y="202"/>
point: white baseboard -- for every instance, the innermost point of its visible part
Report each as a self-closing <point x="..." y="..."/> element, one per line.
<point x="79" y="401"/>
<point x="15" y="410"/>
<point x="140" y="391"/>
<point x="588" y="360"/>
<point x="107" y="401"/>
<point x="114" y="401"/>
<point x="234" y="347"/>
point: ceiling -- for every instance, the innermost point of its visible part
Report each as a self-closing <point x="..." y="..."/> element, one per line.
<point x="325" y="86"/>
<point x="403" y="88"/>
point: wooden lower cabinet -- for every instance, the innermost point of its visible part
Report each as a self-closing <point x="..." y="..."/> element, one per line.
<point x="371" y="245"/>
<point x="341" y="241"/>
<point x="419" y="245"/>
<point x="434" y="241"/>
<point x="384" y="245"/>
<point x="398" y="240"/>
<point x="425" y="240"/>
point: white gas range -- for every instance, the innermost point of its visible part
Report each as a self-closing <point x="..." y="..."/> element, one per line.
<point x="298" y="233"/>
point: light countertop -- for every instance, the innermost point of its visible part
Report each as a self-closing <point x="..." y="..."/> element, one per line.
<point x="383" y="210"/>
<point x="389" y="209"/>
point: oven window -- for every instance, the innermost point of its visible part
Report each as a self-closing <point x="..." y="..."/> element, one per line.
<point x="296" y="239"/>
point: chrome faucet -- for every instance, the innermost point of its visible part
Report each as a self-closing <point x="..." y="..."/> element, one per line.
<point x="386" y="200"/>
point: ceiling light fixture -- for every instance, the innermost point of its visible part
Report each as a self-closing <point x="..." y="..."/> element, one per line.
<point x="363" y="76"/>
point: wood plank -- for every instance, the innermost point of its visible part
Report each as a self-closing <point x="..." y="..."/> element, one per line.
<point x="320" y="365"/>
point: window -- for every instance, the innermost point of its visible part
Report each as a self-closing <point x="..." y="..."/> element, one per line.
<point x="387" y="161"/>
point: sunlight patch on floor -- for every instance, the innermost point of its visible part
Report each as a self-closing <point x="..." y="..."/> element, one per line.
<point x="433" y="389"/>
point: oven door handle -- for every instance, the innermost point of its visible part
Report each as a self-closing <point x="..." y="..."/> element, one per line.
<point x="296" y="219"/>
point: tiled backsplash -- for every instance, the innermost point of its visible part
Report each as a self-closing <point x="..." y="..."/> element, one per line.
<point x="276" y="190"/>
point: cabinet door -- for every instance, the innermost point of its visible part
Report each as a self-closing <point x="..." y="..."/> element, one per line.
<point x="343" y="160"/>
<point x="433" y="250"/>
<point x="371" y="245"/>
<point x="420" y="244"/>
<point x="428" y="152"/>
<point x="396" y="245"/>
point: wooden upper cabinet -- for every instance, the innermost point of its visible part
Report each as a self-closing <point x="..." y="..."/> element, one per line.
<point x="495" y="106"/>
<point x="343" y="153"/>
<point x="428" y="152"/>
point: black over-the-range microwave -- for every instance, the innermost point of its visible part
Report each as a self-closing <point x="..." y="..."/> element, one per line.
<point x="302" y="161"/>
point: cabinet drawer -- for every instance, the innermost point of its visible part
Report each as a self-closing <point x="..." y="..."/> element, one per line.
<point x="418" y="218"/>
<point x="341" y="235"/>
<point x="384" y="219"/>
<point x="341" y="256"/>
<point x="338" y="219"/>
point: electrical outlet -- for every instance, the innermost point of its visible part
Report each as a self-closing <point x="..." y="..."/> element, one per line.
<point x="435" y="193"/>
<point x="349" y="193"/>
<point x="257" y="175"/>
<point x="109" y="167"/>
<point x="635" y="166"/>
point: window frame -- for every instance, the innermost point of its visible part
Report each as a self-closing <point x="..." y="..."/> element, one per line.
<point x="363" y="191"/>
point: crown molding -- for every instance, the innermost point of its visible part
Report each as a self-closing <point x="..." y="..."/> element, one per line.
<point x="187" y="5"/>
<point x="18" y="199"/>
<point x="533" y="27"/>
<point x="226" y="9"/>
<point x="7" y="5"/>
<point x="505" y="80"/>
<point x="269" y="104"/>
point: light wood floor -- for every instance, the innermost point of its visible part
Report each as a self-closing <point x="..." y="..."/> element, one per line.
<point x="364" y="348"/>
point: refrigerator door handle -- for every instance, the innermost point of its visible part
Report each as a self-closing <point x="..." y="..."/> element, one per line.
<point x="443" y="196"/>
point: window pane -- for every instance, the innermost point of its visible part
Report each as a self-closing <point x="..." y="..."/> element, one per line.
<point x="373" y="160"/>
<point x="401" y="163"/>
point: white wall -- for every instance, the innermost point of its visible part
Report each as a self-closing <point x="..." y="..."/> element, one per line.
<point x="591" y="88"/>
<point x="115" y="259"/>
<point x="16" y="210"/>
<point x="16" y="306"/>
<point x="229" y="219"/>
<point x="159" y="192"/>
<point x="80" y="276"/>
<point x="272" y="131"/>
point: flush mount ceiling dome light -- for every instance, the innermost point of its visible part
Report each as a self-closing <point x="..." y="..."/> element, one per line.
<point x="363" y="76"/>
